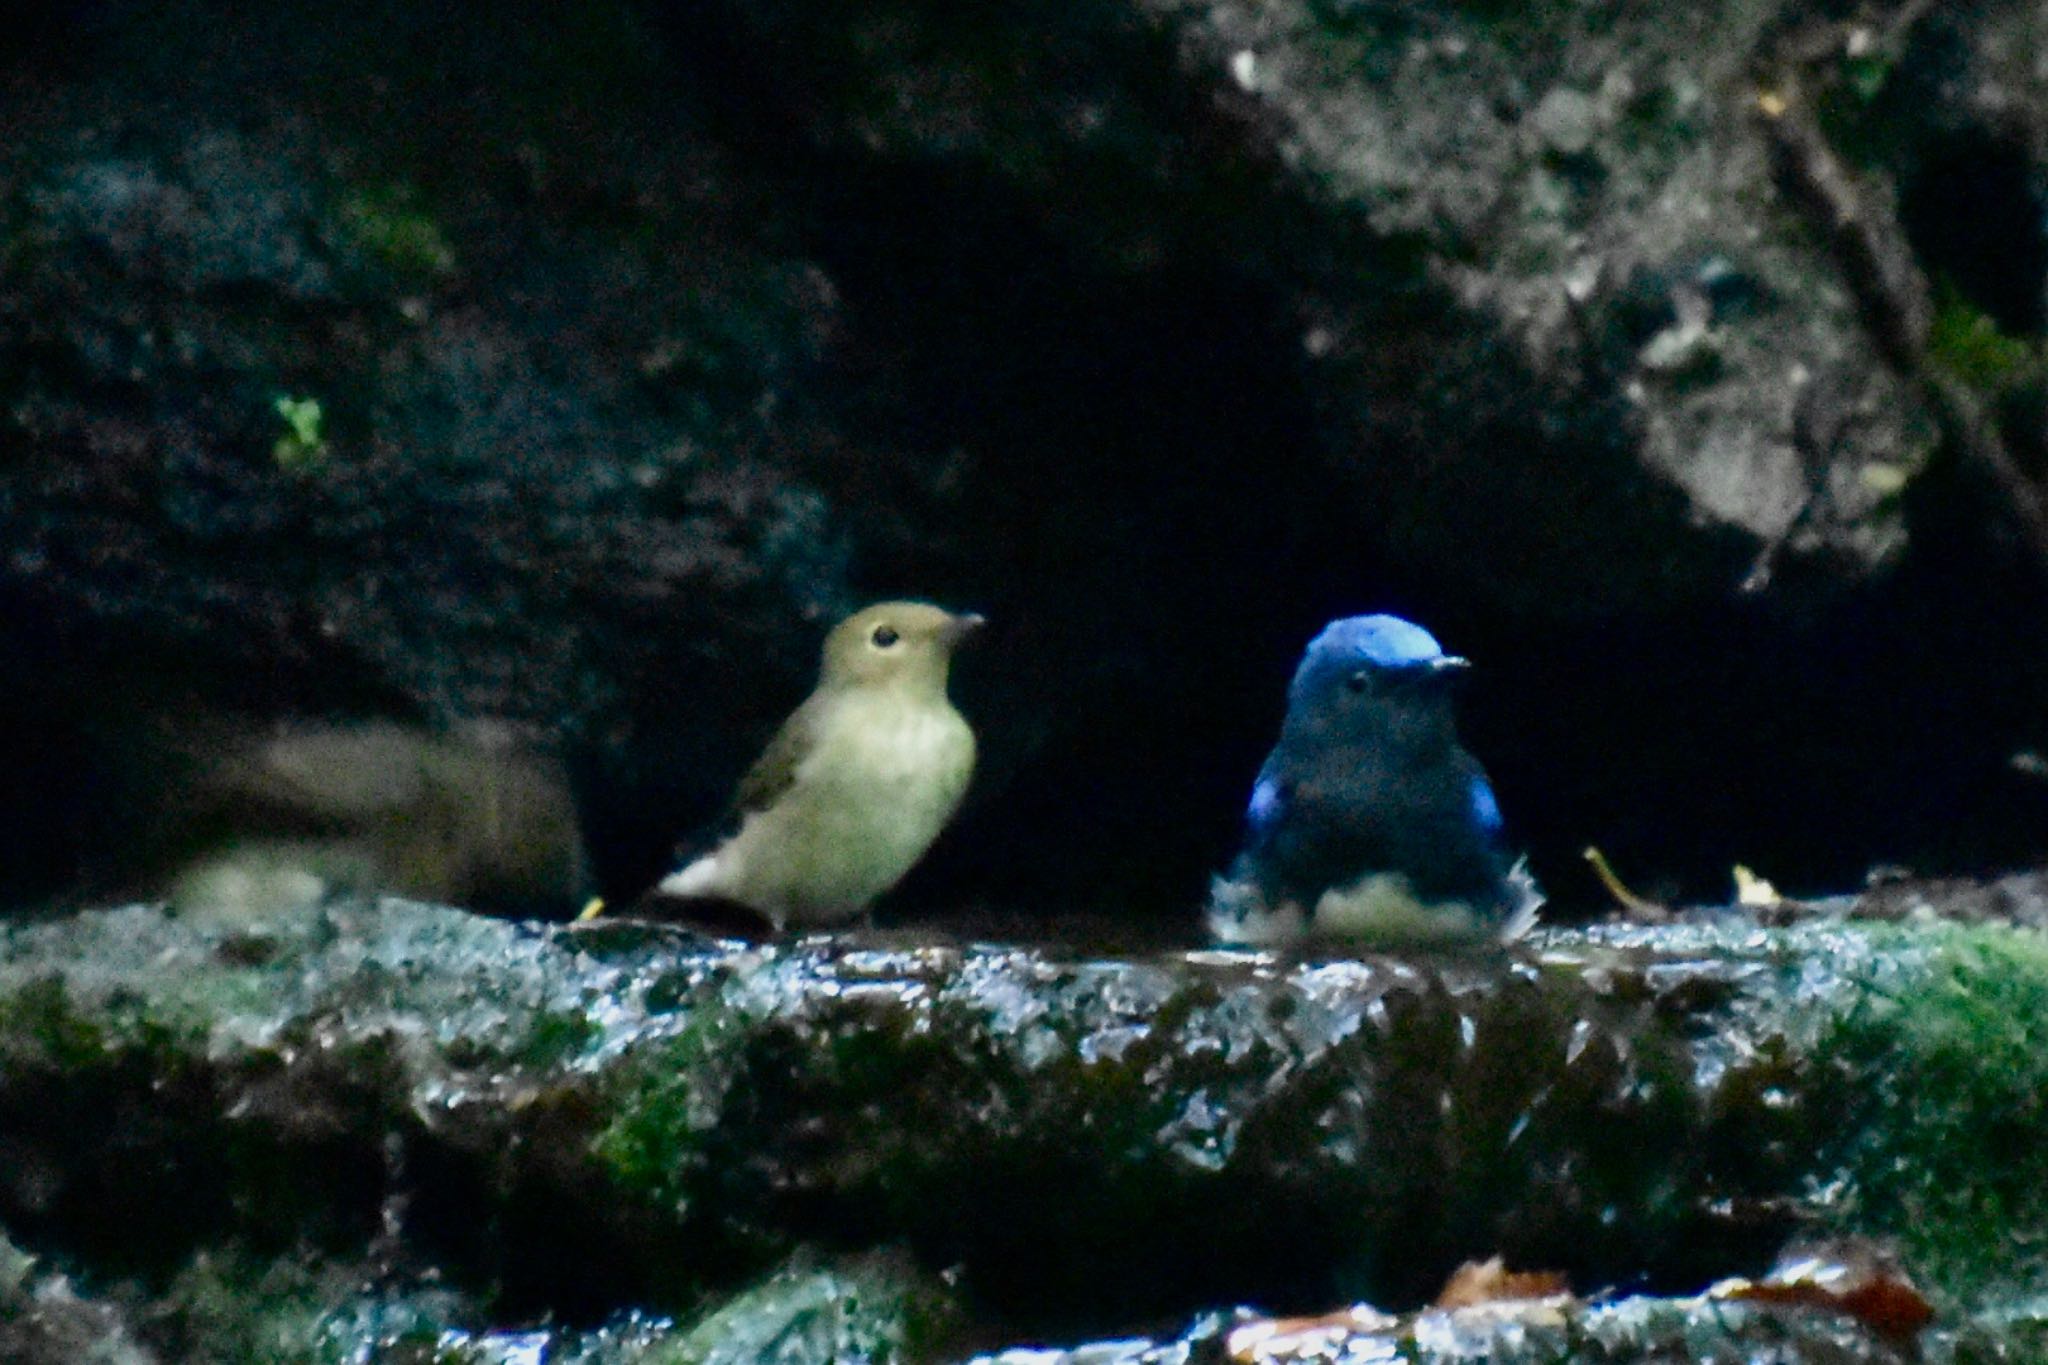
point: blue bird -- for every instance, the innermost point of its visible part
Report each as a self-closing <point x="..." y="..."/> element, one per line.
<point x="1369" y="821"/>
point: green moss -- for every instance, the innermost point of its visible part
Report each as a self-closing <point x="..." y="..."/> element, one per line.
<point x="1943" y="1073"/>
<point x="875" y="1308"/>
<point x="235" y="1305"/>
<point x="39" y="1017"/>
<point x="556" y="1036"/>
<point x="44" y="1026"/>
<point x="664" y="1100"/>
<point x="1966" y="342"/>
<point x="388" y="222"/>
<point x="302" y="445"/>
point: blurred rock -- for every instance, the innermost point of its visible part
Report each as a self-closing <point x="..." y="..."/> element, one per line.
<point x="44" y="1321"/>
<point x="1664" y="1331"/>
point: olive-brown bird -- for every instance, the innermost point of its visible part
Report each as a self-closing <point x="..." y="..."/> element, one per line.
<point x="858" y="782"/>
<point x="249" y="820"/>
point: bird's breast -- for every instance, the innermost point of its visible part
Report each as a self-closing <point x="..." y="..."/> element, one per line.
<point x="879" y="784"/>
<point x="884" y="749"/>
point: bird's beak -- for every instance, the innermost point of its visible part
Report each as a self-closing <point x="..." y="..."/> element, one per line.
<point x="962" y="626"/>
<point x="1449" y="665"/>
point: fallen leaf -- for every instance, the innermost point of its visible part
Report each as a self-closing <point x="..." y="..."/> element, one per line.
<point x="1477" y="1282"/>
<point x="1854" y="1277"/>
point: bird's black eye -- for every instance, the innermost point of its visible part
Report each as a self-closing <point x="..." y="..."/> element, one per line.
<point x="884" y="637"/>
<point x="1356" y="682"/>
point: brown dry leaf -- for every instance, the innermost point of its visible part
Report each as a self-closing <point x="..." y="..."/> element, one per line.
<point x="1850" y="1277"/>
<point x="1477" y="1282"/>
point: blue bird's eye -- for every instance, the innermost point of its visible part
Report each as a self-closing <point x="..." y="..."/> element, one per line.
<point x="1356" y="682"/>
<point x="884" y="637"/>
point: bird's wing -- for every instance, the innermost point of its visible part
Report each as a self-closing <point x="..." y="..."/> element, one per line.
<point x="1485" y="809"/>
<point x="774" y="772"/>
<point x="1266" y="809"/>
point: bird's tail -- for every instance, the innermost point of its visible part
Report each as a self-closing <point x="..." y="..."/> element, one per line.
<point x="1524" y="900"/>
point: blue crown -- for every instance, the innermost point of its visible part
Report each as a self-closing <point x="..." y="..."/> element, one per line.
<point x="1387" y="641"/>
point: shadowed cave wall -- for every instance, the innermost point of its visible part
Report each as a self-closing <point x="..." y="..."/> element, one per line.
<point x="650" y="339"/>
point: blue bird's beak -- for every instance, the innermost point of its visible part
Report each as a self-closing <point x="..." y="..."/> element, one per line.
<point x="1448" y="665"/>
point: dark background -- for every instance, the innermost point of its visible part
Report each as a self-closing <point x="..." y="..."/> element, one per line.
<point x="652" y="338"/>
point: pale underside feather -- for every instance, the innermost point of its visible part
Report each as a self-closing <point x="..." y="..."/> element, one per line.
<point x="866" y="787"/>
<point x="1380" y="908"/>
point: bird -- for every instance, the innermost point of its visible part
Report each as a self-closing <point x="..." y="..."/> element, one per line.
<point x="247" y="820"/>
<point x="856" y="784"/>
<point x="1369" y="821"/>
